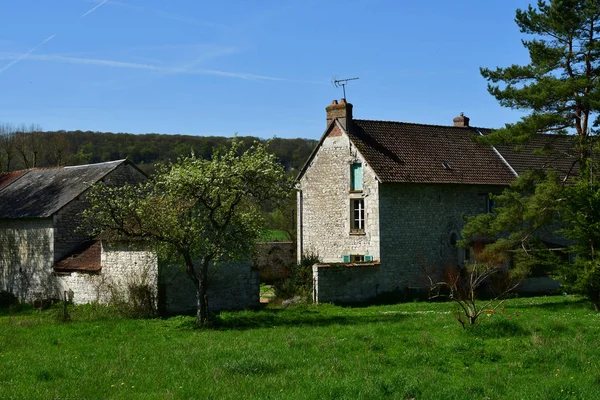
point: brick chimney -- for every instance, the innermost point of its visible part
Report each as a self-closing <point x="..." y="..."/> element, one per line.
<point x="461" y="120"/>
<point x="341" y="111"/>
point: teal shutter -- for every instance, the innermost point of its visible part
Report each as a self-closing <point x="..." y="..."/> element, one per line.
<point x="346" y="258"/>
<point x="356" y="177"/>
<point x="368" y="258"/>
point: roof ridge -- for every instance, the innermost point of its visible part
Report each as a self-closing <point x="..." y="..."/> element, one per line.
<point x="420" y="124"/>
<point x="100" y="163"/>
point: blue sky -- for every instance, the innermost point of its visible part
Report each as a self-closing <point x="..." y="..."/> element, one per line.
<point x="261" y="68"/>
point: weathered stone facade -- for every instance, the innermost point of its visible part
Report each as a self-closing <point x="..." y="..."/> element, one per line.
<point x="325" y="203"/>
<point x="27" y="257"/>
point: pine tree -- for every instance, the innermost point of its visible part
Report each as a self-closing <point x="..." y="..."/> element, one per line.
<point x="559" y="90"/>
<point x="559" y="87"/>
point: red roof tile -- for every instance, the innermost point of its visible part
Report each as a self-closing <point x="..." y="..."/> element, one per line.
<point x="86" y="259"/>
<point x="404" y="152"/>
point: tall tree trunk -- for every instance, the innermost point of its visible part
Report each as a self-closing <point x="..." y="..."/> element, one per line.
<point x="201" y="296"/>
<point x="200" y="281"/>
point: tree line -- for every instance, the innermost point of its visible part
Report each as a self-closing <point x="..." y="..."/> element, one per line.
<point x="28" y="146"/>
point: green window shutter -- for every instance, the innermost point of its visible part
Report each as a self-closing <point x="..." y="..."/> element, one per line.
<point x="356" y="177"/>
<point x="346" y="258"/>
<point x="368" y="258"/>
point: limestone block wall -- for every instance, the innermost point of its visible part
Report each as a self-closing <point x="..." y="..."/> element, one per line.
<point x="274" y="260"/>
<point x="417" y="223"/>
<point x="232" y="286"/>
<point x="347" y="283"/>
<point x="26" y="258"/>
<point x="122" y="265"/>
<point x="324" y="203"/>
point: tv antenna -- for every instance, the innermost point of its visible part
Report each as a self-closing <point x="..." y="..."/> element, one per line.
<point x="342" y="82"/>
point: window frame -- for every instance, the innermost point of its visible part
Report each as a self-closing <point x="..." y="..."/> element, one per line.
<point x="357" y="205"/>
<point x="354" y="188"/>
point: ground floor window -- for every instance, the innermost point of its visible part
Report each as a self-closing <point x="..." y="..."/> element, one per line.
<point x="357" y="208"/>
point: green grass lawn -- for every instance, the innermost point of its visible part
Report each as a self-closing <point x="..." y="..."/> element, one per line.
<point x="275" y="235"/>
<point x="412" y="350"/>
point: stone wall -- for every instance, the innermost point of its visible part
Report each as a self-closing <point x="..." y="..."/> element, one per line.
<point x="346" y="283"/>
<point x="417" y="222"/>
<point x="324" y="199"/>
<point x="232" y="286"/>
<point x="26" y="249"/>
<point x="274" y="260"/>
<point x="122" y="265"/>
<point x="417" y="225"/>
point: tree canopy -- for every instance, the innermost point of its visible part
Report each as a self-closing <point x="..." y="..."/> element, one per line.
<point x="196" y="212"/>
<point x="546" y="217"/>
<point x="559" y="86"/>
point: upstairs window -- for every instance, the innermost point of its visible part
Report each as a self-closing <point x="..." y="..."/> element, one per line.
<point x="489" y="204"/>
<point x="356" y="184"/>
<point x="357" y="208"/>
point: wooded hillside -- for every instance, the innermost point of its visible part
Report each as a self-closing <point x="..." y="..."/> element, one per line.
<point x="26" y="147"/>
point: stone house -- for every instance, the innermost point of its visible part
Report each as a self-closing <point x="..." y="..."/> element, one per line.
<point x="43" y="255"/>
<point x="381" y="201"/>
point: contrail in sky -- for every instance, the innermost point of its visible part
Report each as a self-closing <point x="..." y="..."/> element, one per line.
<point x="188" y="70"/>
<point x="24" y="55"/>
<point x="91" y="10"/>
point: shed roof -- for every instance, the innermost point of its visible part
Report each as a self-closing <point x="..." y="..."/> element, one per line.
<point x="39" y="193"/>
<point x="87" y="258"/>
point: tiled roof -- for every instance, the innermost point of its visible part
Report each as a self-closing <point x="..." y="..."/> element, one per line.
<point x="543" y="152"/>
<point x="87" y="258"/>
<point x="405" y="152"/>
<point x="39" y="193"/>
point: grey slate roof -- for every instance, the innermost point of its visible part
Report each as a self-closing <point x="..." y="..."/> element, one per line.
<point x="40" y="193"/>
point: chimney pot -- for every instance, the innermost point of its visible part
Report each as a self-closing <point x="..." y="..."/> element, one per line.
<point x="341" y="111"/>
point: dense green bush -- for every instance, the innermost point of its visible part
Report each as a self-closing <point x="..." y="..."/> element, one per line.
<point x="7" y="299"/>
<point x="300" y="283"/>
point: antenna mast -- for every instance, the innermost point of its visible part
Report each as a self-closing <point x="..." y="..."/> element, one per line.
<point x="343" y="83"/>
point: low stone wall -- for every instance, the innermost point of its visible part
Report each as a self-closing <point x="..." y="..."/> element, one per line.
<point x="538" y="285"/>
<point x="274" y="260"/>
<point x="232" y="286"/>
<point x="348" y="283"/>
<point x="122" y="266"/>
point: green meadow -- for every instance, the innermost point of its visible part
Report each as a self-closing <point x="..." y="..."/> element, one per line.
<point x="549" y="348"/>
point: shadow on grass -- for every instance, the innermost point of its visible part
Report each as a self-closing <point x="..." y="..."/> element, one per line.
<point x="270" y="318"/>
<point x="556" y="305"/>
<point x="16" y="309"/>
